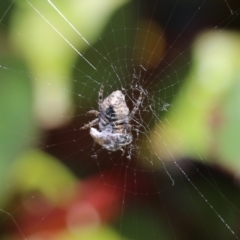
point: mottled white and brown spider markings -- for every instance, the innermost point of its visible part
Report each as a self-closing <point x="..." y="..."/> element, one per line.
<point x="113" y="119"/>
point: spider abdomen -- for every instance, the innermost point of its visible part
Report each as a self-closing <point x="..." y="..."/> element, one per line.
<point x="115" y="104"/>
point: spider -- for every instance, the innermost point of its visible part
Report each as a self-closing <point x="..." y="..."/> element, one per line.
<point x="113" y="119"/>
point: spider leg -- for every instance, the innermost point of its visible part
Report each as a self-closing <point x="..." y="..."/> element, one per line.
<point x="119" y="122"/>
<point x="100" y="98"/>
<point x="90" y="124"/>
<point x="93" y="112"/>
<point x="120" y="125"/>
<point x="126" y="127"/>
<point x="124" y="130"/>
<point x="136" y="107"/>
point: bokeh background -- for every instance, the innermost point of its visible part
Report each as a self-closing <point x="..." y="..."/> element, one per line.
<point x="51" y="187"/>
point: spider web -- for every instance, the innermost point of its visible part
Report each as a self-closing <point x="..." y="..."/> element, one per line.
<point x="162" y="185"/>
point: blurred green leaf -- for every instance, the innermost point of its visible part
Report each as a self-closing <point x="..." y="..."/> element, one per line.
<point x="227" y="132"/>
<point x="191" y="128"/>
<point x="36" y="170"/>
<point x="16" y="118"/>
